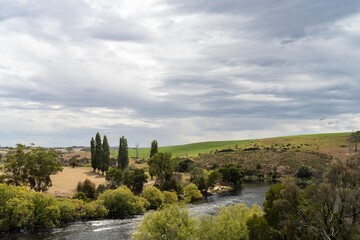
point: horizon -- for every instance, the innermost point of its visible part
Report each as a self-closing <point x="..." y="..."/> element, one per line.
<point x="178" y="72"/>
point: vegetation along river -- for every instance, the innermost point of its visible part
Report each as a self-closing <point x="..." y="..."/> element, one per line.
<point x="123" y="228"/>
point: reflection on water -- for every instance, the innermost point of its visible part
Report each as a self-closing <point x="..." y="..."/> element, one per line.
<point x="123" y="228"/>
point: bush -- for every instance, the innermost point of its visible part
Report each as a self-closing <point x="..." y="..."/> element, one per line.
<point x="304" y="173"/>
<point x="172" y="222"/>
<point x="122" y="203"/>
<point x="95" y="210"/>
<point x="154" y="196"/>
<point x="81" y="196"/>
<point x="214" y="177"/>
<point x="229" y="224"/>
<point x="192" y="193"/>
<point x="87" y="187"/>
<point x="170" y="197"/>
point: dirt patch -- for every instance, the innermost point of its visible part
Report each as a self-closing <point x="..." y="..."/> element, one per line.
<point x="65" y="182"/>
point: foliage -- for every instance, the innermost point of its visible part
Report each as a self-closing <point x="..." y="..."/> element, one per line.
<point x="31" y="167"/>
<point x="232" y="174"/>
<point x="229" y="224"/>
<point x="154" y="196"/>
<point x="304" y="173"/>
<point x="163" y="166"/>
<point x="81" y="196"/>
<point x="95" y="210"/>
<point x="87" y="187"/>
<point x="123" y="155"/>
<point x="198" y="177"/>
<point x="214" y="177"/>
<point x="154" y="148"/>
<point x="105" y="160"/>
<point x="184" y="165"/>
<point x="92" y="150"/>
<point x="192" y="193"/>
<point x="114" y="177"/>
<point x="122" y="203"/>
<point x="134" y="179"/>
<point x="259" y="229"/>
<point x="170" y="197"/>
<point x="172" y="222"/>
<point x="98" y="151"/>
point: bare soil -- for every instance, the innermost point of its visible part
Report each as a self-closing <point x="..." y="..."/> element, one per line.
<point x="64" y="183"/>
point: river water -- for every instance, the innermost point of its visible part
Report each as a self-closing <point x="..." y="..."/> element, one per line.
<point x="123" y="228"/>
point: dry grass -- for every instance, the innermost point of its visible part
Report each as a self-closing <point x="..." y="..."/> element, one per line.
<point x="65" y="182"/>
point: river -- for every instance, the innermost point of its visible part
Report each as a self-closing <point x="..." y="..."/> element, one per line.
<point x="123" y="228"/>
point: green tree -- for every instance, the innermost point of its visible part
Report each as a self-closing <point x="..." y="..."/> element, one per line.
<point x="304" y="173"/>
<point x="114" y="177"/>
<point x="154" y="148"/>
<point x="192" y="193"/>
<point x="105" y="156"/>
<point x="123" y="156"/>
<point x="134" y="179"/>
<point x="31" y="167"/>
<point x="98" y="151"/>
<point x="92" y="150"/>
<point x="162" y="166"/>
<point x="214" y="177"/>
<point x="41" y="164"/>
<point x="87" y="187"/>
<point x="154" y="196"/>
<point x="172" y="222"/>
<point x="122" y="203"/>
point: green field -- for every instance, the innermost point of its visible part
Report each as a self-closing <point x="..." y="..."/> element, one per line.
<point x="322" y="141"/>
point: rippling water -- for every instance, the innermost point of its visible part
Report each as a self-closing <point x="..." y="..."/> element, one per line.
<point x="123" y="228"/>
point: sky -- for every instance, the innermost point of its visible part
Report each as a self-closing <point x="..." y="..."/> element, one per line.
<point x="176" y="71"/>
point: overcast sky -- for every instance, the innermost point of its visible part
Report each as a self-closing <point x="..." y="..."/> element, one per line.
<point x="176" y="71"/>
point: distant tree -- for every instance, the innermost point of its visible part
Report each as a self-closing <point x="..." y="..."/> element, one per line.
<point x="105" y="156"/>
<point x="123" y="155"/>
<point x="137" y="150"/>
<point x="162" y="166"/>
<point x="232" y="174"/>
<point x="198" y="177"/>
<point x="214" y="177"/>
<point x="87" y="187"/>
<point x="154" y="196"/>
<point x="114" y="177"/>
<point x="32" y="167"/>
<point x="98" y="151"/>
<point x="135" y="179"/>
<point x="304" y="173"/>
<point x="92" y="150"/>
<point x="154" y="148"/>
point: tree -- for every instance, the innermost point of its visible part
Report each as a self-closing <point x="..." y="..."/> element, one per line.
<point x="105" y="156"/>
<point x="114" y="176"/>
<point x="154" y="148"/>
<point x="232" y="174"/>
<point x="135" y="179"/>
<point x="31" y="167"/>
<point x="154" y="196"/>
<point x="98" y="151"/>
<point x="162" y="166"/>
<point x="172" y="222"/>
<point x="304" y="173"/>
<point x="123" y="156"/>
<point x="87" y="187"/>
<point x="192" y="193"/>
<point x="92" y="150"/>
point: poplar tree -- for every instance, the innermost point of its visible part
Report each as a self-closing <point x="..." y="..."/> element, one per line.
<point x="154" y="148"/>
<point x="98" y="151"/>
<point x="92" y="150"/>
<point x="105" y="156"/>
<point x="123" y="156"/>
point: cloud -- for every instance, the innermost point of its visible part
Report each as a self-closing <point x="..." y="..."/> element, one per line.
<point x="176" y="71"/>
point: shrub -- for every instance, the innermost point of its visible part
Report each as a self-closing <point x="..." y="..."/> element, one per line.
<point x="172" y="222"/>
<point x="229" y="224"/>
<point x="121" y="202"/>
<point x="304" y="173"/>
<point x="95" y="210"/>
<point x="170" y="197"/>
<point x="87" y="187"/>
<point x="154" y="196"/>
<point x="81" y="196"/>
<point x="192" y="193"/>
<point x="214" y="177"/>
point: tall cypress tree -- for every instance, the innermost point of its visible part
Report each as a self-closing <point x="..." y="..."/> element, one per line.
<point x="154" y="148"/>
<point x="105" y="155"/>
<point x="123" y="156"/>
<point x="98" y="151"/>
<point x="92" y="150"/>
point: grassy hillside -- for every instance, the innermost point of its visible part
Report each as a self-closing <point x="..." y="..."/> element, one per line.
<point x="327" y="143"/>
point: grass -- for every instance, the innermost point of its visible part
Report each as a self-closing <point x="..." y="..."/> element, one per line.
<point x="314" y="142"/>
